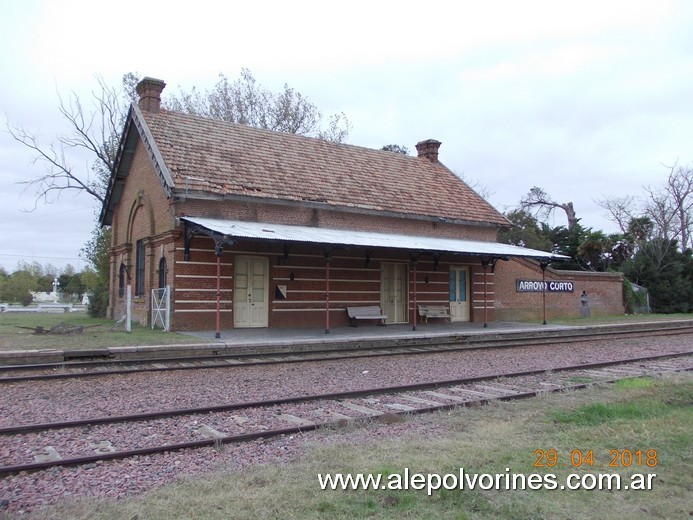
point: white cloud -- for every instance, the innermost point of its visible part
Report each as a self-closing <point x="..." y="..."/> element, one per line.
<point x="584" y="98"/>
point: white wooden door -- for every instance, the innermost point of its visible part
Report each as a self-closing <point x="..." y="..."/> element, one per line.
<point x="394" y="300"/>
<point x="459" y="293"/>
<point x="250" y="292"/>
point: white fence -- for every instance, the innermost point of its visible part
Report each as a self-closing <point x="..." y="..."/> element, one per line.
<point x="161" y="308"/>
<point x="43" y="307"/>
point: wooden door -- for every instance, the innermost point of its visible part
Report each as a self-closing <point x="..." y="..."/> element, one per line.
<point x="250" y="292"/>
<point x="394" y="300"/>
<point x="459" y="293"/>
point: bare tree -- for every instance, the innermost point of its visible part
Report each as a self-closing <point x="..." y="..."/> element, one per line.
<point x="671" y="206"/>
<point x="668" y="209"/>
<point x="246" y="102"/>
<point x="620" y="210"/>
<point x="539" y="202"/>
<point x="93" y="128"/>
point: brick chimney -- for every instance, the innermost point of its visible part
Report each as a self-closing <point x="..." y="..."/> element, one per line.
<point x="149" y="90"/>
<point x="428" y="149"/>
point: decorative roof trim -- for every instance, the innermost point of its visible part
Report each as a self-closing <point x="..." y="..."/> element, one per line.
<point x="121" y="166"/>
<point x="153" y="150"/>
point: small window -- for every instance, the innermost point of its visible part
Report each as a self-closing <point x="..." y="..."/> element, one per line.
<point x="122" y="274"/>
<point x="139" y="269"/>
<point x="163" y="272"/>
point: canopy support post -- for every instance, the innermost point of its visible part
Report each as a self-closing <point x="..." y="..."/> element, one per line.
<point x="543" y="264"/>
<point x="328" y="255"/>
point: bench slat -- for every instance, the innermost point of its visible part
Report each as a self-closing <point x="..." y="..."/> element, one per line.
<point x="371" y="312"/>
<point x="433" y="311"/>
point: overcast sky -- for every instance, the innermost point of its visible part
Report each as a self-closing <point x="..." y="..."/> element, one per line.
<point x="584" y="99"/>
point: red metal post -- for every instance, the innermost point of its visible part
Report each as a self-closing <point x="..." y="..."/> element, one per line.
<point x="414" y="276"/>
<point x="543" y="266"/>
<point x="543" y="289"/>
<point x="218" y="333"/>
<point x="327" y="295"/>
<point x="485" y="264"/>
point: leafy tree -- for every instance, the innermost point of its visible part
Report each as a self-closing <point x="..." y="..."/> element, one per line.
<point x="525" y="231"/>
<point x="17" y="286"/>
<point x="566" y="242"/>
<point x="45" y="283"/>
<point x="246" y="102"/>
<point x="72" y="285"/>
<point x="592" y="250"/>
<point x="395" y="148"/>
<point x="95" y="279"/>
<point x="670" y="283"/>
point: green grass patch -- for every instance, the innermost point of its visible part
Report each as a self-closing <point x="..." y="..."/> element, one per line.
<point x="485" y="439"/>
<point x="599" y="413"/>
<point x="626" y="318"/>
<point x="15" y="333"/>
<point x="634" y="382"/>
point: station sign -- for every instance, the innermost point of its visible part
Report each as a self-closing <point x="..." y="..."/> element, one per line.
<point x="540" y="286"/>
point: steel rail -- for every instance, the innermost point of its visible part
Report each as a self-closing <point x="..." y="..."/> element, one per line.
<point x="265" y="434"/>
<point x="39" y="427"/>
<point x="445" y="345"/>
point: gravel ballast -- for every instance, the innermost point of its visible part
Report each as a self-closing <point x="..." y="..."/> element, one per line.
<point x="26" y="403"/>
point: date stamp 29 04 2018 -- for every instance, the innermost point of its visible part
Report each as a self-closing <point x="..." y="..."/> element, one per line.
<point x="616" y="458"/>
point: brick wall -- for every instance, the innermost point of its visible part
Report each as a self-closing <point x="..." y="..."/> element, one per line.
<point x="143" y="213"/>
<point x="305" y="216"/>
<point x="355" y="280"/>
<point x="604" y="290"/>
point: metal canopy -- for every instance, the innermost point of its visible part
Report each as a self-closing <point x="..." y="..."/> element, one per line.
<point x="230" y="229"/>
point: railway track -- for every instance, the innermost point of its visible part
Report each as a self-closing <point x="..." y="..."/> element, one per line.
<point x="33" y="447"/>
<point x="79" y="369"/>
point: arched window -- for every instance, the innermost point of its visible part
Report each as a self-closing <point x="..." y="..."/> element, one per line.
<point x="122" y="274"/>
<point x="163" y="272"/>
<point x="139" y="269"/>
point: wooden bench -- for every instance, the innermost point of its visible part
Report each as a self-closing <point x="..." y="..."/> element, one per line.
<point x="371" y="312"/>
<point x="434" y="311"/>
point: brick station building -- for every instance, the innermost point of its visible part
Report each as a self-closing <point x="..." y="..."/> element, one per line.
<point x="254" y="228"/>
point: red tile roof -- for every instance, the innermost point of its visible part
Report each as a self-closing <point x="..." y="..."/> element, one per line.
<point x="231" y="159"/>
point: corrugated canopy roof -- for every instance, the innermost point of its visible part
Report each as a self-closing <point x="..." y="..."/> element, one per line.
<point x="341" y="237"/>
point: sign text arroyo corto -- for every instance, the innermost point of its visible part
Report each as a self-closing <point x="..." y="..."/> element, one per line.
<point x="539" y="286"/>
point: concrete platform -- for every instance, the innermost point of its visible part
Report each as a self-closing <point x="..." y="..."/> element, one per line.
<point x="257" y="341"/>
<point x="364" y="333"/>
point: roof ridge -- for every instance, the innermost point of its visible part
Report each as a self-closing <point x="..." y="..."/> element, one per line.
<point x="176" y="113"/>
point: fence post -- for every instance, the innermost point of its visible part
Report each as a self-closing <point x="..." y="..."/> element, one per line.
<point x="128" y="309"/>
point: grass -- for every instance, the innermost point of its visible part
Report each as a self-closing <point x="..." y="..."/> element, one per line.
<point x="97" y="333"/>
<point x="626" y="318"/>
<point x="485" y="439"/>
